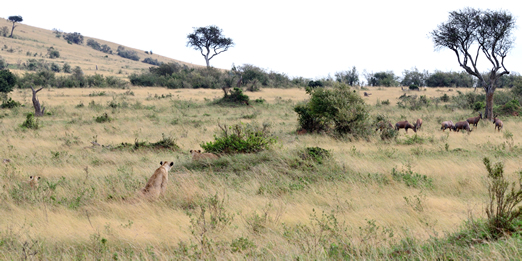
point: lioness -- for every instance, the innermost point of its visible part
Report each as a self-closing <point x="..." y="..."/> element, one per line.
<point x="157" y="184"/>
<point x="197" y="155"/>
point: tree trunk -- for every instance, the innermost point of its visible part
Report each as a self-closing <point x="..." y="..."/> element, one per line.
<point x="489" y="104"/>
<point x="12" y="30"/>
<point x="38" y="110"/>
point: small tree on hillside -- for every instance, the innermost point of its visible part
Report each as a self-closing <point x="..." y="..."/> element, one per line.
<point x="206" y="38"/>
<point x="488" y="32"/>
<point x="15" y="19"/>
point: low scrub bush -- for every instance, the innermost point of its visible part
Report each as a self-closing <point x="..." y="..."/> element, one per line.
<point x="413" y="102"/>
<point x="129" y="54"/>
<point x="31" y="122"/>
<point x="236" y="96"/>
<point x="103" y="118"/>
<point x="241" y="138"/>
<point x="151" y="61"/>
<point x="412" y="179"/>
<point x="503" y="207"/>
<point x="166" y="143"/>
<point x="316" y="154"/>
<point x="71" y="38"/>
<point x="9" y="104"/>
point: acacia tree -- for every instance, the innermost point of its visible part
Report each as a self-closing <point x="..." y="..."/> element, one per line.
<point x="470" y="32"/>
<point x="208" y="39"/>
<point x="14" y="19"/>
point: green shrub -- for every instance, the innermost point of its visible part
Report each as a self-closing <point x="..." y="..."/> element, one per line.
<point x="412" y="179"/>
<point x="71" y="38"/>
<point x="151" y="61"/>
<point x="316" y="154"/>
<point x="338" y="110"/>
<point x="241" y="138"/>
<point x="7" y="81"/>
<point x="503" y="207"/>
<point x="510" y="108"/>
<point x="129" y="54"/>
<point x="30" y="122"/>
<point x="445" y="98"/>
<point x="414" y="87"/>
<point x="9" y="104"/>
<point x="67" y="68"/>
<point x="55" y="67"/>
<point x="52" y="53"/>
<point x="103" y="118"/>
<point x="236" y="96"/>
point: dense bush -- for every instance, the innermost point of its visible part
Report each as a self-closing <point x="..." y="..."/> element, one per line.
<point x="96" y="46"/>
<point x="77" y="79"/>
<point x="174" y="75"/>
<point x="71" y="38"/>
<point x="7" y="81"/>
<point x="30" y="122"/>
<point x="129" y="54"/>
<point x="241" y="138"/>
<point x="338" y="109"/>
<point x="151" y="61"/>
<point x="236" y="96"/>
<point x="9" y="104"/>
<point x="387" y="79"/>
<point x="55" y="67"/>
<point x="449" y="79"/>
<point x="53" y="53"/>
<point x="67" y="68"/>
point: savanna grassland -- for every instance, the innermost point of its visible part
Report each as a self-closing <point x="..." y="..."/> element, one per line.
<point x="372" y="199"/>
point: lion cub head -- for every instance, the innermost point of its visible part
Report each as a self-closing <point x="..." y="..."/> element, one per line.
<point x="197" y="155"/>
<point x="33" y="181"/>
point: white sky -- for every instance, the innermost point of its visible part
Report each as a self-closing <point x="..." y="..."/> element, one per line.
<point x="299" y="38"/>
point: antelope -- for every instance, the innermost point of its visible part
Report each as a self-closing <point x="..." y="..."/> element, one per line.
<point x="367" y="94"/>
<point x="447" y="125"/>
<point x="498" y="123"/>
<point x="381" y="125"/>
<point x="417" y="125"/>
<point x="404" y="125"/>
<point x="461" y="125"/>
<point x="474" y="120"/>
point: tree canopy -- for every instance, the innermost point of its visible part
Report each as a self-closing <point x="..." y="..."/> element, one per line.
<point x="471" y="32"/>
<point x="7" y="81"/>
<point x="209" y="41"/>
<point x="14" y="19"/>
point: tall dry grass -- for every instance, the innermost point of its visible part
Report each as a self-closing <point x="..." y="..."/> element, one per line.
<point x="87" y="201"/>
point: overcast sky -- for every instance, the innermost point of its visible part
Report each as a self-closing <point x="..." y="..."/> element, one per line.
<point x="311" y="39"/>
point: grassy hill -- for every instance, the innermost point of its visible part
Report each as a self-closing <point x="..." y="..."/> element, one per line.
<point x="30" y="42"/>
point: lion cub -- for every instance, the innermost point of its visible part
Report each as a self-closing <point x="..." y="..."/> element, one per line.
<point x="197" y="155"/>
<point x="157" y="184"/>
<point x="33" y="181"/>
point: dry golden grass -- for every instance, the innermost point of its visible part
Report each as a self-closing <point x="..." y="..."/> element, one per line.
<point x="457" y="175"/>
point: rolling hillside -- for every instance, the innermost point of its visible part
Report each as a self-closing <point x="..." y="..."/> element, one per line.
<point x="30" y="42"/>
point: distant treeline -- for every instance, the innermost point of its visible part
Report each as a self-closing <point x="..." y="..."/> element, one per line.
<point x="436" y="79"/>
<point x="176" y="76"/>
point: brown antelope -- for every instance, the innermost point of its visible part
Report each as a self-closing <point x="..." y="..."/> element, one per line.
<point x="498" y="123"/>
<point x="404" y="125"/>
<point x="367" y="94"/>
<point x="381" y="125"/>
<point x="447" y="125"/>
<point x="474" y="120"/>
<point x="417" y="125"/>
<point x="461" y="125"/>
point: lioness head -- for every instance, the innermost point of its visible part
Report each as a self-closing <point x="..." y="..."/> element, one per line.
<point x="33" y="181"/>
<point x="166" y="164"/>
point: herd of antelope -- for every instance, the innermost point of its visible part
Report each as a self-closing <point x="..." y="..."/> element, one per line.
<point x="461" y="125"/>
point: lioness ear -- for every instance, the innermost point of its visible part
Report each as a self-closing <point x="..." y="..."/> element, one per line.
<point x="172" y="164"/>
<point x="30" y="177"/>
<point x="161" y="163"/>
<point x="199" y="151"/>
<point x="39" y="178"/>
